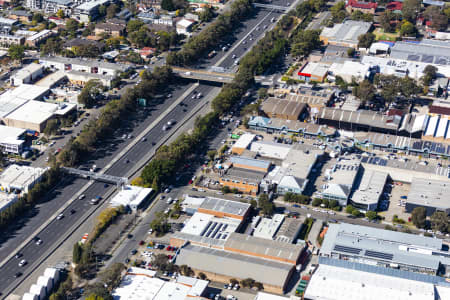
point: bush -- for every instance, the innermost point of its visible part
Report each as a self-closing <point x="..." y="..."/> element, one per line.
<point x="316" y="202"/>
<point x="296" y="198"/>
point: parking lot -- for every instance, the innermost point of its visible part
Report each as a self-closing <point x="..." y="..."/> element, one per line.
<point x="396" y="192"/>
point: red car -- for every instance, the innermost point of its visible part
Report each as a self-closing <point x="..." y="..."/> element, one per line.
<point x="190" y="181"/>
<point x="141" y="243"/>
<point x="169" y="256"/>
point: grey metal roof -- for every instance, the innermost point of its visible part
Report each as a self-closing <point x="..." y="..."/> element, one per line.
<point x="431" y="193"/>
<point x="347" y="32"/>
<point x="260" y="246"/>
<point x="383" y="245"/>
<point x="86" y="62"/>
<point x="257" y="163"/>
<point x="289" y="230"/>
<point x="244" y="175"/>
<point x="370" y="187"/>
<point x="427" y="51"/>
<point x="234" y="265"/>
<point x="226" y="206"/>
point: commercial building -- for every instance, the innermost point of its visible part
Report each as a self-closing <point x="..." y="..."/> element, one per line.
<point x="20" y="178"/>
<point x="224" y="208"/>
<point x="385" y="248"/>
<point x="242" y="143"/>
<point x="131" y="196"/>
<point x="219" y="265"/>
<point x="38" y="38"/>
<point x="427" y="51"/>
<point x="284" y="109"/>
<point x="245" y="181"/>
<point x="313" y="72"/>
<point x="268" y="227"/>
<point x="52" y="80"/>
<point x="289" y="231"/>
<point x="7" y="40"/>
<point x="364" y="7"/>
<point x="431" y="194"/>
<point x="88" y="11"/>
<point x="349" y="71"/>
<point x="8" y="23"/>
<point x="263" y="248"/>
<point x="7" y="199"/>
<point x="341" y="180"/>
<point x="362" y="120"/>
<point x="139" y="283"/>
<point x="369" y="190"/>
<point x="341" y="280"/>
<point x="81" y="78"/>
<point x="11" y="139"/>
<point x="270" y="149"/>
<point x="83" y="65"/>
<point x="315" y="99"/>
<point x="184" y="26"/>
<point x="345" y="34"/>
<point x="27" y="74"/>
<point x="53" y="6"/>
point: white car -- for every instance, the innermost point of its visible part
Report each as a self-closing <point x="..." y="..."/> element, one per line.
<point x="60" y="216"/>
<point x="331" y="212"/>
<point x="22" y="263"/>
<point x="81" y="197"/>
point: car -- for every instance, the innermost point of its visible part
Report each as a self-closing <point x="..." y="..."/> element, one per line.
<point x="18" y="255"/>
<point x="38" y="242"/>
<point x="22" y="263"/>
<point x="17" y="274"/>
<point x="150" y="231"/>
<point x="105" y="185"/>
<point x="130" y="236"/>
<point x="141" y="243"/>
<point x="236" y="287"/>
<point x="133" y="252"/>
<point x="225" y="286"/>
<point x="219" y="193"/>
<point x="165" y="128"/>
<point x="127" y="260"/>
<point x="60" y="216"/>
<point x="169" y="256"/>
<point x="126" y="161"/>
<point x="81" y="197"/>
<point x="72" y="211"/>
<point x="171" y="122"/>
<point x="296" y="205"/>
<point x="167" y="190"/>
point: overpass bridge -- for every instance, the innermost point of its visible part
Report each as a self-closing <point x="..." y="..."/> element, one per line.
<point x="226" y="76"/>
<point x="119" y="181"/>
<point x="274" y="7"/>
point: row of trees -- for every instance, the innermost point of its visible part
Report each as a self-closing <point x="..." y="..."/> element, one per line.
<point x="296" y="198"/>
<point x="439" y="221"/>
<point x="332" y="204"/>
<point x="213" y="35"/>
<point x="112" y="115"/>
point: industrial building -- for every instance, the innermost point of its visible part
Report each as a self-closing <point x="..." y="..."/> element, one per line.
<point x="426" y="51"/>
<point x="284" y="109"/>
<point x="369" y="190"/>
<point x="343" y="280"/>
<point x="131" y="196"/>
<point x="345" y="34"/>
<point x="349" y="71"/>
<point x="245" y="181"/>
<point x="139" y="283"/>
<point x="267" y="296"/>
<point x="83" y="65"/>
<point x="12" y="139"/>
<point x="268" y="227"/>
<point x="341" y="180"/>
<point x="44" y="285"/>
<point x="27" y="74"/>
<point x="20" y="178"/>
<point x="313" y="72"/>
<point x="219" y="265"/>
<point x="315" y="99"/>
<point x="252" y="164"/>
<point x="242" y="143"/>
<point x="385" y="248"/>
<point x="428" y="193"/>
<point x="224" y="208"/>
<point x="362" y="120"/>
<point x="270" y="150"/>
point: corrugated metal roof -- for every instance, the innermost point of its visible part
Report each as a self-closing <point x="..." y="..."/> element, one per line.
<point x="257" y="163"/>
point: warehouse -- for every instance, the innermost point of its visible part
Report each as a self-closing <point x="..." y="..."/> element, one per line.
<point x="284" y="109"/>
<point x="263" y="248"/>
<point x="242" y="143"/>
<point x="348" y="280"/>
<point x="345" y="34"/>
<point x="27" y="74"/>
<point x="268" y="227"/>
<point x="427" y="51"/>
<point x="314" y="72"/>
<point x="361" y="120"/>
<point x="139" y="283"/>
<point x="252" y="164"/>
<point x="385" y="248"/>
<point x="369" y="190"/>
<point x="431" y="194"/>
<point x="349" y="71"/>
<point x="83" y="65"/>
<point x="20" y="178"/>
<point x="224" y="208"/>
<point x="245" y="181"/>
<point x="81" y="78"/>
<point x="314" y="98"/>
<point x="221" y="266"/>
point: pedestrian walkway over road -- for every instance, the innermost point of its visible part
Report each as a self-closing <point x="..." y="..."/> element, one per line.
<point x="270" y="6"/>
<point x="119" y="181"/>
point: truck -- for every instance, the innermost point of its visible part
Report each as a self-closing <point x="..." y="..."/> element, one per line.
<point x="212" y="54"/>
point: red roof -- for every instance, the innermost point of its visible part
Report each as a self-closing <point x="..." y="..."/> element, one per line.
<point x="395" y="5"/>
<point x="362" y="5"/>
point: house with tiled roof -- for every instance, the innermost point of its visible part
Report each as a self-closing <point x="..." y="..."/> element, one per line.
<point x="365" y="7"/>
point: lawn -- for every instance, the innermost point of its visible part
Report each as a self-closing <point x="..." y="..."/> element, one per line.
<point x="383" y="36"/>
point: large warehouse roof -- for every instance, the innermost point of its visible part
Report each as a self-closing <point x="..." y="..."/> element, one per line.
<point x="370" y="188"/>
<point x="427" y="51"/>
<point x="334" y="283"/>
<point x="234" y="265"/>
<point x="263" y="247"/>
<point x="347" y="32"/>
<point x="279" y="108"/>
<point x="431" y="193"/>
<point x="225" y="206"/>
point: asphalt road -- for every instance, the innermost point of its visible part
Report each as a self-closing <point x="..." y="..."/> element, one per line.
<point x="32" y="252"/>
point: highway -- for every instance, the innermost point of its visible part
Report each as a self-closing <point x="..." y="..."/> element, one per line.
<point x="43" y="212"/>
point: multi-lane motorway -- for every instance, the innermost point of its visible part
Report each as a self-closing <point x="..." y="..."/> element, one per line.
<point x="55" y="229"/>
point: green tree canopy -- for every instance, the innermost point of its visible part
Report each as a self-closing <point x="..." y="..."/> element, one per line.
<point x="419" y="217"/>
<point x="16" y="52"/>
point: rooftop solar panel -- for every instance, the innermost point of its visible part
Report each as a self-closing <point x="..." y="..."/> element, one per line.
<point x="365" y="159"/>
<point x="433" y="147"/>
<point x="417" y="145"/>
<point x="347" y="249"/>
<point x="427" y="145"/>
<point x="442" y="61"/>
<point x="427" y="58"/>
<point x="383" y="162"/>
<point x="413" y="57"/>
<point x="381" y="255"/>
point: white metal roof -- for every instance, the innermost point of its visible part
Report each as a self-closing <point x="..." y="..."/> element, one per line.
<point x="20" y="177"/>
<point x="244" y="140"/>
<point x="131" y="196"/>
<point x="267" y="228"/>
<point x="270" y="149"/>
<point x="442" y="128"/>
<point x="431" y="127"/>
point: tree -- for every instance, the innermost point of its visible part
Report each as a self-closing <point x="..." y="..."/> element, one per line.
<point x="351" y="52"/>
<point x="160" y="224"/>
<point x="61" y="14"/>
<point x="356" y="212"/>
<point x="410" y="9"/>
<point x="439" y="21"/>
<point x="316" y="202"/>
<point x="385" y="21"/>
<point x="76" y="253"/>
<point x="371" y="215"/>
<point x="111" y="11"/>
<point x="16" y="52"/>
<point x="207" y="14"/>
<point x="267" y="207"/>
<point x="51" y="128"/>
<point x="167" y="5"/>
<point x="90" y="92"/>
<point x="419" y="217"/>
<point x="440" y="221"/>
<point x="211" y="154"/>
<point x="365" y="91"/>
<point x="101" y="10"/>
<point x="407" y="29"/>
<point x="134" y="25"/>
<point x="349" y="209"/>
<point x="429" y="75"/>
<point x="112" y="276"/>
<point x="262" y="93"/>
<point x="365" y="40"/>
<point x="305" y="41"/>
<point x="72" y="26"/>
<point x="338" y="12"/>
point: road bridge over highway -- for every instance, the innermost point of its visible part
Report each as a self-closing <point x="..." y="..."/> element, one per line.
<point x="119" y="181"/>
<point x="270" y="6"/>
